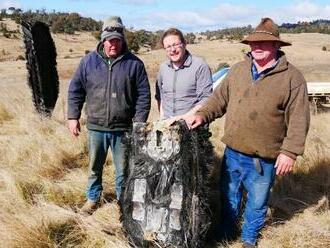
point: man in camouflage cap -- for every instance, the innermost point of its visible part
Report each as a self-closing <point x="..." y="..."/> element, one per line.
<point x="114" y="84"/>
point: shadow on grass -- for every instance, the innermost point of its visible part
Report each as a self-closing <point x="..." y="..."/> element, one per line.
<point x="296" y="192"/>
<point x="77" y="161"/>
<point x="109" y="196"/>
<point x="68" y="162"/>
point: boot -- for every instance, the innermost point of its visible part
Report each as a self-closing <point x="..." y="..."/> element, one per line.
<point x="90" y="207"/>
<point x="248" y="245"/>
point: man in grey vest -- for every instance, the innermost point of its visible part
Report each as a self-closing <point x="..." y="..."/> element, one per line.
<point x="184" y="81"/>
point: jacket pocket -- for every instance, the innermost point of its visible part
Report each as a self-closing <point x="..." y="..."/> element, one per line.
<point x="122" y="102"/>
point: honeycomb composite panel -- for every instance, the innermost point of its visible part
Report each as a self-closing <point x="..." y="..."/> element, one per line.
<point x="165" y="197"/>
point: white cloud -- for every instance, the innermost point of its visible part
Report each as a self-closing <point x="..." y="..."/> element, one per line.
<point x="229" y="15"/>
<point x="224" y="15"/>
<point x="7" y="4"/>
<point x="302" y="11"/>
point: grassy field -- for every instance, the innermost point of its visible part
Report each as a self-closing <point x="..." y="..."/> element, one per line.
<point x="43" y="170"/>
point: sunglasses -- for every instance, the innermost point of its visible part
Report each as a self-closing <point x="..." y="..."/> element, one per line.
<point x="114" y="29"/>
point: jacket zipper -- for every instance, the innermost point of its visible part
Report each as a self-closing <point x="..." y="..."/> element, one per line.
<point x="109" y="96"/>
<point x="109" y="89"/>
<point x="174" y="91"/>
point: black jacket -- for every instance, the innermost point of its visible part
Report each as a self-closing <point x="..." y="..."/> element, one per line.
<point x="115" y="95"/>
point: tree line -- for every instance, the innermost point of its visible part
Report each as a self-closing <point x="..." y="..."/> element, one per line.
<point x="237" y="33"/>
<point x="317" y="26"/>
<point x="60" y="22"/>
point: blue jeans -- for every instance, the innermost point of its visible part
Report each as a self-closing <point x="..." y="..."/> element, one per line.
<point x="98" y="144"/>
<point x="243" y="172"/>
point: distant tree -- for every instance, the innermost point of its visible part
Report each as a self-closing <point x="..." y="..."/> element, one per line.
<point x="61" y="25"/>
<point x="219" y="36"/>
<point x="132" y="41"/>
<point x="62" y="22"/>
<point x="69" y="28"/>
<point x="143" y="37"/>
<point x="58" y="26"/>
<point x="190" y="38"/>
<point x="3" y="14"/>
<point x="74" y="19"/>
<point x="229" y="33"/>
<point x="155" y="40"/>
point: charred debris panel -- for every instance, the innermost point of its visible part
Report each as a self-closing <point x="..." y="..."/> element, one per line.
<point x="40" y="54"/>
<point x="165" y="197"/>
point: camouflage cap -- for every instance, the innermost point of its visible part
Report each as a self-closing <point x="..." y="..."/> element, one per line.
<point x="112" y="28"/>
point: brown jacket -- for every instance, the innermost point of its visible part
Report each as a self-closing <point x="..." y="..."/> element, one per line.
<point x="265" y="117"/>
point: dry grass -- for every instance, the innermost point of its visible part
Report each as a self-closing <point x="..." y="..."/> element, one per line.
<point x="43" y="170"/>
<point x="4" y="115"/>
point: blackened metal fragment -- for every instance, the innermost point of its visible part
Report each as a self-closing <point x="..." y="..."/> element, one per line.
<point x="165" y="197"/>
<point x="41" y="65"/>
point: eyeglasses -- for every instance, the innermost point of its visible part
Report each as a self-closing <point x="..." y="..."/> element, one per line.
<point x="169" y="48"/>
<point x="114" y="29"/>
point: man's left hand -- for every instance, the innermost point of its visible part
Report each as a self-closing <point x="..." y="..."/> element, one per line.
<point x="284" y="164"/>
<point x="173" y="119"/>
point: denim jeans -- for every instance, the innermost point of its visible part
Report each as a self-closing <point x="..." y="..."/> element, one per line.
<point x="243" y="172"/>
<point x="98" y="144"/>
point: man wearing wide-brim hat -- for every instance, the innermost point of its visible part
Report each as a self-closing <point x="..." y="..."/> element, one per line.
<point x="267" y="118"/>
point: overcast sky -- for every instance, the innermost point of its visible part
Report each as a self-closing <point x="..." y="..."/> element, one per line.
<point x="187" y="15"/>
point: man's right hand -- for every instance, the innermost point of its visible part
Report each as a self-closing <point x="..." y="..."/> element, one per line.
<point x="74" y="127"/>
<point x="193" y="121"/>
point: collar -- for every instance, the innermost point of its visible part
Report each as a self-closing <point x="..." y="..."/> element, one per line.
<point x="281" y="65"/>
<point x="106" y="59"/>
<point x="256" y="75"/>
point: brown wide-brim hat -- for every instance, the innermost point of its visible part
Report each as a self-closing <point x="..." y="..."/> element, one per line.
<point x="267" y="30"/>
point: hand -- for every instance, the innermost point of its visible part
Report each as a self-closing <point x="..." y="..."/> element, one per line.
<point x="74" y="127"/>
<point x="284" y="164"/>
<point x="173" y="119"/>
<point x="193" y="121"/>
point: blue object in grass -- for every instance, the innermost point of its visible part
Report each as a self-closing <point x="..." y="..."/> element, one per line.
<point x="219" y="76"/>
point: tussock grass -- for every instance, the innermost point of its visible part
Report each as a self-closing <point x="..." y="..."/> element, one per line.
<point x="11" y="194"/>
<point x="307" y="230"/>
<point x="42" y="226"/>
<point x="4" y="115"/>
<point x="30" y="190"/>
<point x="44" y="174"/>
<point x="68" y="192"/>
<point x="310" y="180"/>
